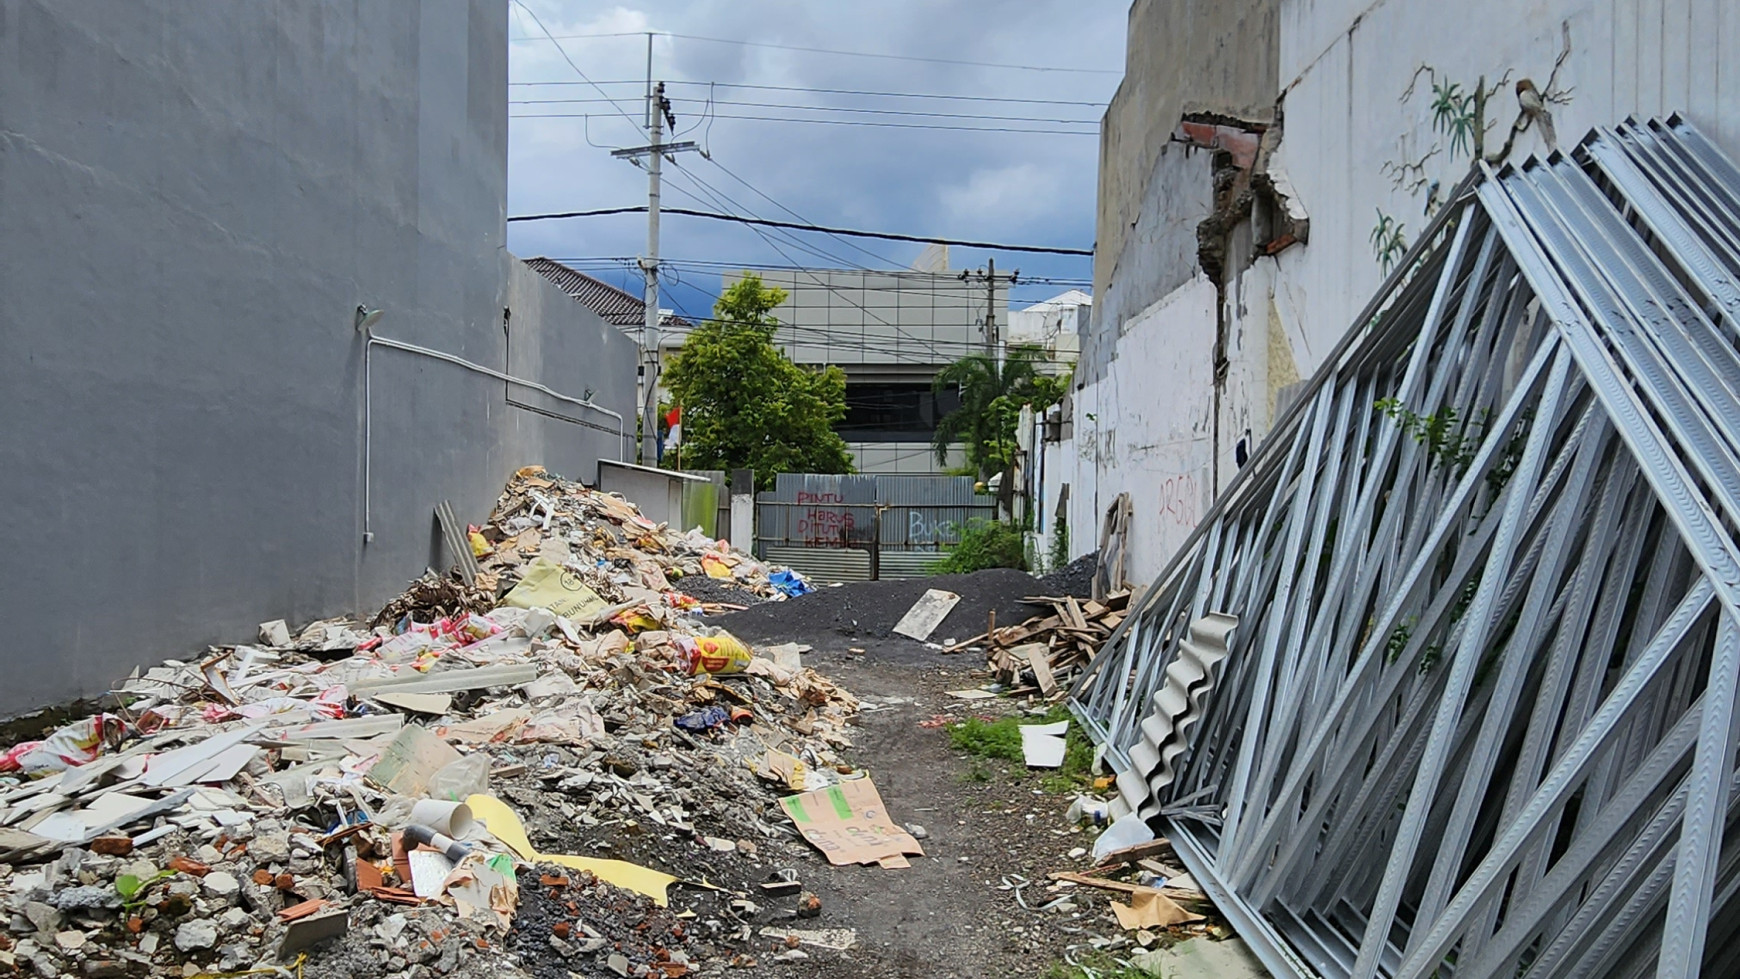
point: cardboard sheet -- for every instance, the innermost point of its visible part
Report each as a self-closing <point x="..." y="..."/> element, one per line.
<point x="926" y="614"/>
<point x="1148" y="908"/>
<point x="554" y="587"/>
<point x="849" y="824"/>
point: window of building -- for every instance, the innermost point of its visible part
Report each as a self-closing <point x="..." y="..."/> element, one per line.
<point x="894" y="412"/>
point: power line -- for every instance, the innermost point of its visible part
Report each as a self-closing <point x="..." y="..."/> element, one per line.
<point x="843" y="91"/>
<point x="834" y="51"/>
<point x="564" y="53"/>
<point x="764" y="222"/>
<point x="835" y="108"/>
<point x="767" y="197"/>
<point x="711" y="265"/>
<point x="853" y="122"/>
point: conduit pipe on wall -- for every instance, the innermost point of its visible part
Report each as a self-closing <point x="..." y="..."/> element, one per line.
<point x="368" y="408"/>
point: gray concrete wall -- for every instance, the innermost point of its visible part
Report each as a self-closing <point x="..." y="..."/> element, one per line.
<point x="194" y="198"/>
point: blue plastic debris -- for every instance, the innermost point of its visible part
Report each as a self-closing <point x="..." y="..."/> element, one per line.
<point x="704" y="719"/>
<point x="789" y="582"/>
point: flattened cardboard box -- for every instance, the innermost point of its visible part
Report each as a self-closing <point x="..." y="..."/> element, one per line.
<point x="849" y="824"/>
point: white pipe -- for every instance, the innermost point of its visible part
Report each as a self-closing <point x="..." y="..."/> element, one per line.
<point x="368" y="409"/>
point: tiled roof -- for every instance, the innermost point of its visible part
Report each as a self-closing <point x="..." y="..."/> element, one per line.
<point x="613" y="305"/>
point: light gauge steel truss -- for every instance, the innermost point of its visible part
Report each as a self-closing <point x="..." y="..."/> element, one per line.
<point x="1477" y="713"/>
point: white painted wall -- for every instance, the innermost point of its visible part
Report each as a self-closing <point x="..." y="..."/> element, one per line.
<point x="1136" y="431"/>
<point x="1345" y="66"/>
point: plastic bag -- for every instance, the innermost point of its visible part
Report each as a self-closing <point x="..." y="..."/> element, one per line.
<point x="789" y="583"/>
<point x="1127" y="830"/>
<point x="69" y="747"/>
<point x="458" y="779"/>
<point x="718" y="653"/>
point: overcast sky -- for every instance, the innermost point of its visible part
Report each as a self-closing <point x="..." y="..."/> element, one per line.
<point x="1014" y="187"/>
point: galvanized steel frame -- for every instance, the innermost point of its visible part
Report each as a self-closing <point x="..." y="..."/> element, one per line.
<point x="1478" y="715"/>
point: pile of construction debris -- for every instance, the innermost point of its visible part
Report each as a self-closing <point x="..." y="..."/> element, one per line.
<point x="392" y="798"/>
<point x="1043" y="654"/>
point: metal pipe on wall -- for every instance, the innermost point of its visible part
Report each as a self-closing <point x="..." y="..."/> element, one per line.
<point x="368" y="408"/>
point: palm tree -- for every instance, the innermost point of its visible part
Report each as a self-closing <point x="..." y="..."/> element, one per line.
<point x="991" y="394"/>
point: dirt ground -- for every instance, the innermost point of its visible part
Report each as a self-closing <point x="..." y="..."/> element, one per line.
<point x="946" y="916"/>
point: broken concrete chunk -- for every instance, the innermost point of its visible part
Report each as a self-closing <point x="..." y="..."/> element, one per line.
<point x="196" y="934"/>
<point x="275" y="633"/>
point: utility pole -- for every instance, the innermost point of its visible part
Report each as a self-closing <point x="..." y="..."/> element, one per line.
<point x="993" y="339"/>
<point x="991" y="309"/>
<point x="658" y="112"/>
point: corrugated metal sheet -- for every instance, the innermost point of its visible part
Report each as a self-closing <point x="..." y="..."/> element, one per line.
<point x="909" y="517"/>
<point x="823" y="565"/>
<point x="901" y="565"/>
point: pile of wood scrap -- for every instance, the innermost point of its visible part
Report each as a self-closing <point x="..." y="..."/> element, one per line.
<point x="1152" y="879"/>
<point x="1044" y="653"/>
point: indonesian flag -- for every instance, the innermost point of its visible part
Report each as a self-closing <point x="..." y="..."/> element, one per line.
<point x="674" y="422"/>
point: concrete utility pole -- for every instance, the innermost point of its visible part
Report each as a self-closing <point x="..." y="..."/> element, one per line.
<point x="991" y="309"/>
<point x="993" y="339"/>
<point x="658" y="111"/>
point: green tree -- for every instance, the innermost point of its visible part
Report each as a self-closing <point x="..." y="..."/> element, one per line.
<point x="745" y="404"/>
<point x="992" y="394"/>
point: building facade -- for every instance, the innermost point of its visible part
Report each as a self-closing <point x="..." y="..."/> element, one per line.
<point x="194" y="204"/>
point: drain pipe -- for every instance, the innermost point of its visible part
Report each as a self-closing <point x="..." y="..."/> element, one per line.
<point x="368" y="407"/>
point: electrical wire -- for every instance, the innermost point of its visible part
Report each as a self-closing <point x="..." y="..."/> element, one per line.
<point x="842" y="91"/>
<point x="885" y="235"/>
<point x="833" y="51"/>
<point x="564" y="53"/>
<point x="614" y="261"/>
<point x="835" y="108"/>
<point x="851" y="122"/>
<point x="767" y="197"/>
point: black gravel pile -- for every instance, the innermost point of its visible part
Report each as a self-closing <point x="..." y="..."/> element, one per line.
<point x="1075" y="578"/>
<point x="870" y="609"/>
<point x="702" y="588"/>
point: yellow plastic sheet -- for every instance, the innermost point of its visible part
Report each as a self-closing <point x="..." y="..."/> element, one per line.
<point x="505" y="826"/>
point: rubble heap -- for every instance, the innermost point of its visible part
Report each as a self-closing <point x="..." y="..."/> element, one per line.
<point x="437" y="791"/>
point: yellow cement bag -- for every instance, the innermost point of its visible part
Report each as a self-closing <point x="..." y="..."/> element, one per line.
<point x="718" y="653"/>
<point x="554" y="587"/>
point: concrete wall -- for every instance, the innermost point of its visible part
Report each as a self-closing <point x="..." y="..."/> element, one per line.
<point x="1199" y="56"/>
<point x="194" y="198"/>
<point x="1349" y="141"/>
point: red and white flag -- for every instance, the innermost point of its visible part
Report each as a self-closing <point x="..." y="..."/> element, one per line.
<point x="674" y="422"/>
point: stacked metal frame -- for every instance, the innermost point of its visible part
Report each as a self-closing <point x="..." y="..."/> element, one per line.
<point x="1477" y="716"/>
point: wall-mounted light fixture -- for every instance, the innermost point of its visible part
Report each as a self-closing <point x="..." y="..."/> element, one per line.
<point x="366" y="317"/>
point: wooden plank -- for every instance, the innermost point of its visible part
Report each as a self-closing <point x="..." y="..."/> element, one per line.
<point x="1036" y="657"/>
<point x="926" y="614"/>
<point x="1101" y="882"/>
<point x="1131" y="854"/>
<point x="1074" y="611"/>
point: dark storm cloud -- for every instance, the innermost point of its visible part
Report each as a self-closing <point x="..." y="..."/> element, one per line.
<point x="1028" y="188"/>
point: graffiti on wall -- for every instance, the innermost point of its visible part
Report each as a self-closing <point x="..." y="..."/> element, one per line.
<point x="822" y="525"/>
<point x="1178" y="500"/>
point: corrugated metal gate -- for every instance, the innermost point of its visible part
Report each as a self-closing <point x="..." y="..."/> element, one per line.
<point x="860" y="528"/>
